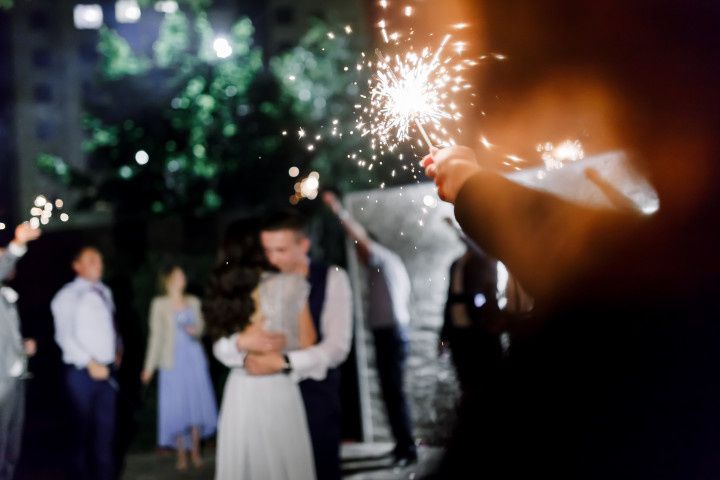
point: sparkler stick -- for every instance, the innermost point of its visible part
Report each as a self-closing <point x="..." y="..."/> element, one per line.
<point x="424" y="134"/>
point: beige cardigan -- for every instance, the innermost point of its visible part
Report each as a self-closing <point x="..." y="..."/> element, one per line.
<point x="161" y="344"/>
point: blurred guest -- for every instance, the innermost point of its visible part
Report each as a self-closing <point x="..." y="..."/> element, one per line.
<point x="485" y="305"/>
<point x="187" y="411"/>
<point x="472" y="319"/>
<point x="388" y="315"/>
<point x="85" y="331"/>
<point x="616" y="378"/>
<point x="251" y="309"/>
<point x="287" y="245"/>
<point x="13" y="356"/>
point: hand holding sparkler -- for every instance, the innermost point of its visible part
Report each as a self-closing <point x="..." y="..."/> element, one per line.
<point x="450" y="168"/>
<point x="24" y="233"/>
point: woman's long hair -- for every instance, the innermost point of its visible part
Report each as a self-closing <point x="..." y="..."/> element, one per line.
<point x="228" y="302"/>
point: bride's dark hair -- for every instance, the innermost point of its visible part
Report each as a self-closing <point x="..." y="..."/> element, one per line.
<point x="228" y="303"/>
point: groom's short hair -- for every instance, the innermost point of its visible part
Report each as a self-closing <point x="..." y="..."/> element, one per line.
<point x="287" y="220"/>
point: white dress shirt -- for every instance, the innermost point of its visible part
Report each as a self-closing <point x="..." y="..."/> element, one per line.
<point x="84" y="327"/>
<point x="336" y="325"/>
<point x="336" y="328"/>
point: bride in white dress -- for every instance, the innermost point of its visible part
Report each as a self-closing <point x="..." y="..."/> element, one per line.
<point x="262" y="431"/>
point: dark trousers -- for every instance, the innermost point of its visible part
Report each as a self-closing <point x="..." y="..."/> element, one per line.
<point x="93" y="404"/>
<point x="12" y="414"/>
<point x="390" y="355"/>
<point x="322" y="407"/>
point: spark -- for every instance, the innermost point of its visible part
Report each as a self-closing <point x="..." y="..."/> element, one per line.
<point x="514" y="158"/>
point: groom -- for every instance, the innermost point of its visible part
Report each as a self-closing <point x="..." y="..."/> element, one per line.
<point x="287" y="245"/>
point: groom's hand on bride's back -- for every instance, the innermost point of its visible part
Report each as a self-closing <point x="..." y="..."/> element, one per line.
<point x="256" y="340"/>
<point x="264" y="363"/>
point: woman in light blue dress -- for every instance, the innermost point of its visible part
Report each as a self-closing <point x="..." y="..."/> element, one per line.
<point x="187" y="409"/>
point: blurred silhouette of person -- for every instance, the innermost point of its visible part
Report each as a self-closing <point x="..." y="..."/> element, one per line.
<point x="472" y="319"/>
<point x="14" y="353"/>
<point x="616" y="375"/>
<point x="485" y="304"/>
<point x="388" y="315"/>
<point x="187" y="410"/>
<point x="85" y="331"/>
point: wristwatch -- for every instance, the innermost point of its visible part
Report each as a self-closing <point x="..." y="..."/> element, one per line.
<point x="287" y="366"/>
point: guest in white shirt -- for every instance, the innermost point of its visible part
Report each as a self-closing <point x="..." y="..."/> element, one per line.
<point x="14" y="353"/>
<point x="85" y="331"/>
<point x="388" y="315"/>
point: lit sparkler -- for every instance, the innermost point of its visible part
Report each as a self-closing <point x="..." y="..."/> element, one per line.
<point x="409" y="90"/>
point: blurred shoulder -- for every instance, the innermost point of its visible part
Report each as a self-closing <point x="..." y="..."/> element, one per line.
<point x="192" y="300"/>
<point x="159" y="301"/>
<point x="67" y="291"/>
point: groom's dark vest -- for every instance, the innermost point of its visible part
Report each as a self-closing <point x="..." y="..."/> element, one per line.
<point x="322" y="398"/>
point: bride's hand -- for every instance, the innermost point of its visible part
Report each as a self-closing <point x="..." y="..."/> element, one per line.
<point x="255" y="339"/>
<point x="264" y="364"/>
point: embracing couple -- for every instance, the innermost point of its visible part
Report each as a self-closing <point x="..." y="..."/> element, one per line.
<point x="283" y="324"/>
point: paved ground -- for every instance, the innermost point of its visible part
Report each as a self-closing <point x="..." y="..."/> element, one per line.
<point x="361" y="461"/>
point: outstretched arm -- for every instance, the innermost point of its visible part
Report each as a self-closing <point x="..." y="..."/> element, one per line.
<point x="352" y="227"/>
<point x="545" y="241"/>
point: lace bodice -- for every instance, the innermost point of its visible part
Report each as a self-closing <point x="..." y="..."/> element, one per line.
<point x="282" y="297"/>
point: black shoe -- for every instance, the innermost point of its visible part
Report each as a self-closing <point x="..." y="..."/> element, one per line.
<point x="405" y="459"/>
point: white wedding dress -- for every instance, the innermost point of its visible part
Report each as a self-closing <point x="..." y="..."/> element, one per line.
<point x="262" y="431"/>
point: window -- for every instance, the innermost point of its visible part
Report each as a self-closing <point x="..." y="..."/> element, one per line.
<point x="44" y="130"/>
<point x="87" y="53"/>
<point x="41" y="58"/>
<point x="42" y="93"/>
<point x="38" y="20"/>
